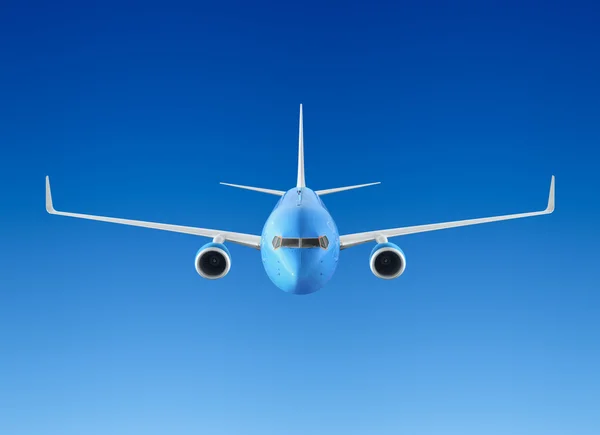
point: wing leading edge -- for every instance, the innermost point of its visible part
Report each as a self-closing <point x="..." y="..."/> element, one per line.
<point x="350" y="240"/>
<point x="249" y="240"/>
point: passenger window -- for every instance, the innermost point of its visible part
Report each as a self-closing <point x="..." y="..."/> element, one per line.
<point x="324" y="242"/>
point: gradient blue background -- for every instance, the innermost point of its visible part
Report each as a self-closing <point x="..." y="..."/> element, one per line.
<point x="139" y="110"/>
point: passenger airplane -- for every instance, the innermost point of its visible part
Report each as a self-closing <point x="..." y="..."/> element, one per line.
<point x="300" y="244"/>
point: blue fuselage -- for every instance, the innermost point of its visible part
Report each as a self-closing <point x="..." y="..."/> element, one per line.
<point x="300" y="243"/>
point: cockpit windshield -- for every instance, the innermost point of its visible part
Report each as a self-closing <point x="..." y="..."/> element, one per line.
<point x="290" y="242"/>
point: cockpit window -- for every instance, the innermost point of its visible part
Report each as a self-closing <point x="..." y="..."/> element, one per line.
<point x="293" y="242"/>
<point x="323" y="242"/>
<point x="290" y="243"/>
<point x="276" y="242"/>
<point x="310" y="243"/>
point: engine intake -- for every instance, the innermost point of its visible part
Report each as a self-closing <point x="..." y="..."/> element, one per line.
<point x="213" y="261"/>
<point x="387" y="261"/>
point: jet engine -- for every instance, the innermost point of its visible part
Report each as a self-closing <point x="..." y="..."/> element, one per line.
<point x="213" y="261"/>
<point x="387" y="261"/>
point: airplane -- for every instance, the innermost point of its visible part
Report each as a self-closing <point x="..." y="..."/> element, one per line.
<point x="300" y="244"/>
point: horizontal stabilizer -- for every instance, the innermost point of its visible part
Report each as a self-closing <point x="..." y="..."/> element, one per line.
<point x="340" y="189"/>
<point x="257" y="189"/>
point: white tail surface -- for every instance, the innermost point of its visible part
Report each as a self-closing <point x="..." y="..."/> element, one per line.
<point x="341" y="189"/>
<point x="301" y="181"/>
<point x="256" y="189"/>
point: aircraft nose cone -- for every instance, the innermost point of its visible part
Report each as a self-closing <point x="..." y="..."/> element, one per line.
<point x="301" y="276"/>
<point x="292" y="264"/>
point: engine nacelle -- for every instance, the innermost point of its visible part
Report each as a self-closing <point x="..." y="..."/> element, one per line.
<point x="213" y="261"/>
<point x="387" y="261"/>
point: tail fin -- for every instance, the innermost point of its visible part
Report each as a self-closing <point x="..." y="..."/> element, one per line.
<point x="301" y="182"/>
<point x="340" y="189"/>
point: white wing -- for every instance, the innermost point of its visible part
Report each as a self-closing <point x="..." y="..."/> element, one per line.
<point x="350" y="240"/>
<point x="240" y="238"/>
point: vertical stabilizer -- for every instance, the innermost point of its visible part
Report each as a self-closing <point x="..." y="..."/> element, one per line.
<point x="301" y="183"/>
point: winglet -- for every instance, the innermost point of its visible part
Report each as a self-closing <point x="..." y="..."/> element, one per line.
<point x="301" y="182"/>
<point x="49" y="206"/>
<point x="550" y="207"/>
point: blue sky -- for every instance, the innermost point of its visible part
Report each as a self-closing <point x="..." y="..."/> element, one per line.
<point x="139" y="110"/>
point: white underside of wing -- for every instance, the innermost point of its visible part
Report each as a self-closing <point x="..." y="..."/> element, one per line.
<point x="350" y="240"/>
<point x="249" y="240"/>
